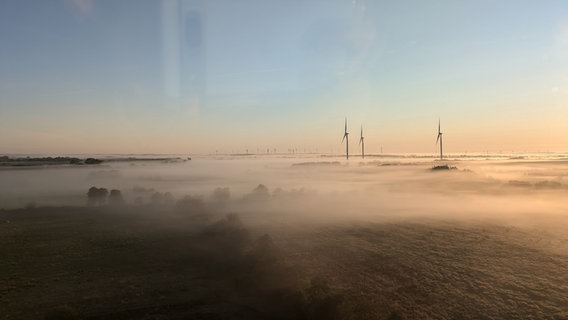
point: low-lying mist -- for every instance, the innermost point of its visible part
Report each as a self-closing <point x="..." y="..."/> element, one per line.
<point x="266" y="191"/>
<point x="311" y="188"/>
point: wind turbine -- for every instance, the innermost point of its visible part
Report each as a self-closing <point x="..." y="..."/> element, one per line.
<point x="346" y="138"/>
<point x="439" y="137"/>
<point x="362" y="144"/>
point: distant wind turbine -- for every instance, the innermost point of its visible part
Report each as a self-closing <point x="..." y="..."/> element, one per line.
<point x="439" y="137"/>
<point x="346" y="138"/>
<point x="362" y="144"/>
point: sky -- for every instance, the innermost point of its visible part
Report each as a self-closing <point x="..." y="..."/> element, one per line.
<point x="200" y="77"/>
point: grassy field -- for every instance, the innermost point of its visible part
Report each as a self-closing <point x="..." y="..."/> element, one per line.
<point x="437" y="270"/>
<point x="143" y="262"/>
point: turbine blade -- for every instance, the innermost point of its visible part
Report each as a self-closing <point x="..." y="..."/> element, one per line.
<point x="437" y="137"/>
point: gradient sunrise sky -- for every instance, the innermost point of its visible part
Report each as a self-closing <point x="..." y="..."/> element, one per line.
<point x="136" y="76"/>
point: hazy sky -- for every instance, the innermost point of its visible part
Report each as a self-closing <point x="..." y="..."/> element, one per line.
<point x="82" y="76"/>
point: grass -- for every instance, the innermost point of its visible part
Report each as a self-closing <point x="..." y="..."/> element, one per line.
<point x="146" y="263"/>
<point x="159" y="262"/>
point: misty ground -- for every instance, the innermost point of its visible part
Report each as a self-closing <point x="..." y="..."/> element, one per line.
<point x="325" y="240"/>
<point x="109" y="263"/>
<point x="438" y="270"/>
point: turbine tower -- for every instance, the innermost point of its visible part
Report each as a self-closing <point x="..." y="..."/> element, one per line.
<point x="346" y="138"/>
<point x="362" y="144"/>
<point x="439" y="137"/>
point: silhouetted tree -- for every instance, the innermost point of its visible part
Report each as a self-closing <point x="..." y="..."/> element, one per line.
<point x="221" y="194"/>
<point x="191" y="205"/>
<point x="280" y="193"/>
<point x="115" y="198"/>
<point x="157" y="198"/>
<point x="92" y="196"/>
<point x="96" y="196"/>
<point x="168" y="198"/>
<point x="259" y="193"/>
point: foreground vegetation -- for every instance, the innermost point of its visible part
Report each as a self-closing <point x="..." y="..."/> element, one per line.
<point x="180" y="261"/>
<point x="144" y="262"/>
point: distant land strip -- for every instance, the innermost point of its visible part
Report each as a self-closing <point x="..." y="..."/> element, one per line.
<point x="6" y="161"/>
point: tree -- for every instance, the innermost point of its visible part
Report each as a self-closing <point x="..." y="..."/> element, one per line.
<point x="222" y="194"/>
<point x="115" y="198"/>
<point x="259" y="193"/>
<point x="189" y="204"/>
<point x="168" y="198"/>
<point x="157" y="198"/>
<point x="96" y="196"/>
